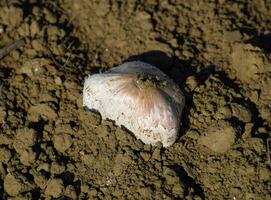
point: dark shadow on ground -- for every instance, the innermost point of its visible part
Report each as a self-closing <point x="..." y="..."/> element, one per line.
<point x="188" y="182"/>
<point x="263" y="41"/>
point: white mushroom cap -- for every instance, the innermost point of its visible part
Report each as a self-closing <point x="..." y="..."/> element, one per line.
<point x="139" y="97"/>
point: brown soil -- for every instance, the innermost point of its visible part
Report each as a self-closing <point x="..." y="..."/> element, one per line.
<point x="217" y="51"/>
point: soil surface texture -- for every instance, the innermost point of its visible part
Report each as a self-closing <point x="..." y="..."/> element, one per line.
<point x="217" y="51"/>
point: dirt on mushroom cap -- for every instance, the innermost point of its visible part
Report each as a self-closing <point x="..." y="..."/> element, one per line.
<point x="218" y="52"/>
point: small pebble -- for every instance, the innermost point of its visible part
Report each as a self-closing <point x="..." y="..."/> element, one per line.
<point x="58" y="81"/>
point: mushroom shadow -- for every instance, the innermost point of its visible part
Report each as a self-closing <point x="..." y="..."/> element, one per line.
<point x="261" y="40"/>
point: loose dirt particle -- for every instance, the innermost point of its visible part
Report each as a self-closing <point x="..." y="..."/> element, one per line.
<point x="70" y="192"/>
<point x="41" y="110"/>
<point x="219" y="138"/>
<point x="54" y="188"/>
<point x="4" y="139"/>
<point x="49" y="16"/>
<point x="145" y="156"/>
<point x="170" y="176"/>
<point x="33" y="67"/>
<point x="5" y="154"/>
<point x="34" y="28"/>
<point x="247" y="61"/>
<point x="2" y="112"/>
<point x="12" y="186"/>
<point x="40" y="180"/>
<point x="44" y="166"/>
<point x="191" y="82"/>
<point x="27" y="157"/>
<point x="62" y="142"/>
<point x="25" y="138"/>
<point x="57" y="168"/>
<point x="145" y="192"/>
<point x="11" y="16"/>
<point x="241" y="112"/>
<point x="156" y="154"/>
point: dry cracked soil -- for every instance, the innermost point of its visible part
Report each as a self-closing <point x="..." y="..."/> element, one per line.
<point x="218" y="51"/>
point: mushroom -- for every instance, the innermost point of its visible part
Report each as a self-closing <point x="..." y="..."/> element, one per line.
<point x="139" y="97"/>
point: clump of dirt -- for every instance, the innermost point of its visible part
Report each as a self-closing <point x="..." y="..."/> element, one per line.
<point x="219" y="54"/>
